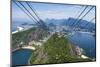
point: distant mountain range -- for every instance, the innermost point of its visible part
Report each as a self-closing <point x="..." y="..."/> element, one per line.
<point x="72" y="22"/>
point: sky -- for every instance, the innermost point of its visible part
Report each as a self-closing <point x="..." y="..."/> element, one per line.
<point x="51" y="11"/>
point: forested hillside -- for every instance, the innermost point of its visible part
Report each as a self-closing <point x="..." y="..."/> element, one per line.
<point x="56" y="50"/>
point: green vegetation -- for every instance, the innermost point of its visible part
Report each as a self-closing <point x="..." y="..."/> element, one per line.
<point x="24" y="36"/>
<point x="56" y="50"/>
<point x="19" y="37"/>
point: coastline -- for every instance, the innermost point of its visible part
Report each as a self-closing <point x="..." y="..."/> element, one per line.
<point x="24" y="47"/>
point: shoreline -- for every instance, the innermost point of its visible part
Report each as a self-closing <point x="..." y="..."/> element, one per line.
<point x="24" y="47"/>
